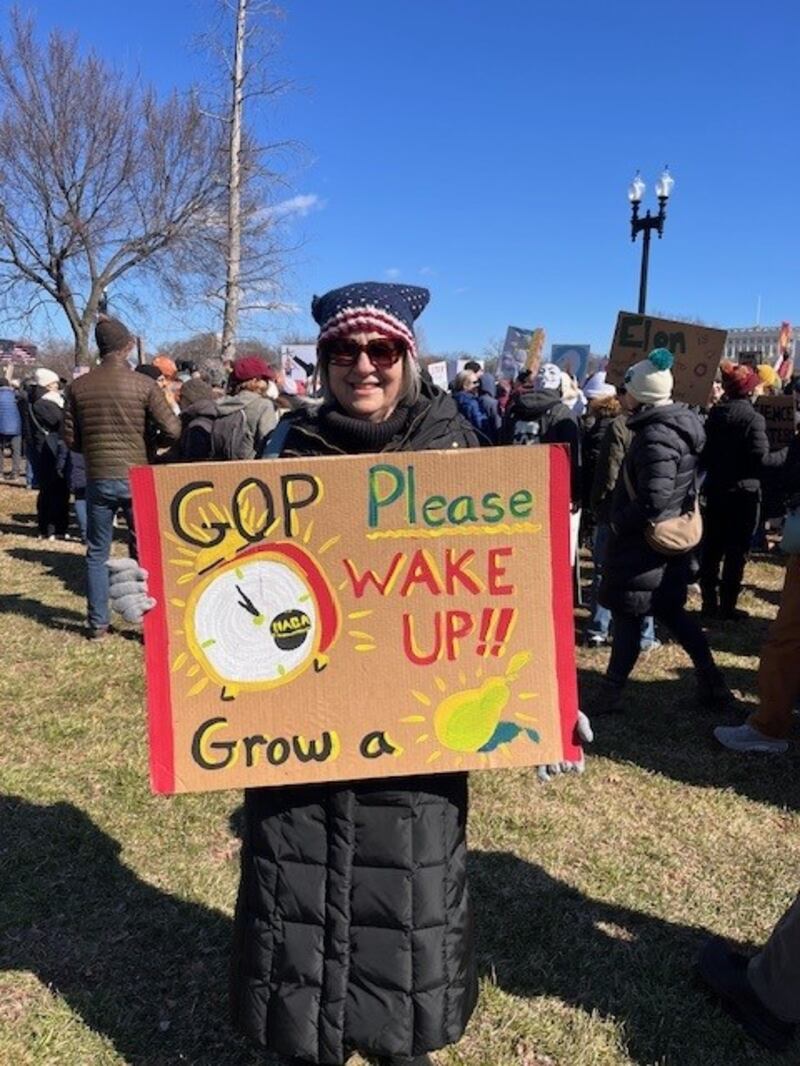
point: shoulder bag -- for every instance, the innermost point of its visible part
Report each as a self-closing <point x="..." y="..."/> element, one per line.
<point x="671" y="536"/>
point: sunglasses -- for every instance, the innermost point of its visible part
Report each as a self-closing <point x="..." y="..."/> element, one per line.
<point x="381" y="353"/>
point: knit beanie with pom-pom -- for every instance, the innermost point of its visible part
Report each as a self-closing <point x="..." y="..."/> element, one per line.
<point x="650" y="381"/>
<point x="738" y="382"/>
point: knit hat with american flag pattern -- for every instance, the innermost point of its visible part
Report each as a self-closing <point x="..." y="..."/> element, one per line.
<point x="370" y="307"/>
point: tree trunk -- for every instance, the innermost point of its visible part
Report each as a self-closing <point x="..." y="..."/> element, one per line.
<point x="81" y="334"/>
<point x="232" y="279"/>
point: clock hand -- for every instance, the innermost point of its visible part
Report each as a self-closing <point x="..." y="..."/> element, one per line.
<point x="247" y="603"/>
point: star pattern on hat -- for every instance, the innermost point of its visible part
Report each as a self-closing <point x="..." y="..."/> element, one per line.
<point x="377" y="306"/>
<point x="404" y="302"/>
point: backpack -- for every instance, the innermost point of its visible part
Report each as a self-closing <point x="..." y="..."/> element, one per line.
<point x="231" y="436"/>
<point x="527" y="431"/>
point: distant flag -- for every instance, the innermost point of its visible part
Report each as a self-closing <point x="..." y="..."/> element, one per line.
<point x="17" y="352"/>
<point x="785" y="338"/>
<point x="786" y="363"/>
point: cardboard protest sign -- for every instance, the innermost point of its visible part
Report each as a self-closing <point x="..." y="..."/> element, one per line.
<point x="697" y="350"/>
<point x="515" y="352"/>
<point x="438" y="373"/>
<point x="779" y="414"/>
<point x="354" y="617"/>
<point x="534" y="357"/>
<point x="573" y="358"/>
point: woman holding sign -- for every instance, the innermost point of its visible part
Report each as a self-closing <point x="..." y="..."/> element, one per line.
<point x="353" y="926"/>
<point x="353" y="929"/>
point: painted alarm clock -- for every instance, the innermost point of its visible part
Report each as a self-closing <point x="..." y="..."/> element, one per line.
<point x="262" y="619"/>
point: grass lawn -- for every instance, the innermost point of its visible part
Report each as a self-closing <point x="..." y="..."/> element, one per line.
<point x="592" y="894"/>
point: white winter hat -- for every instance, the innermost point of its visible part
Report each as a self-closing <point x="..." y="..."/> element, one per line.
<point x="650" y="381"/>
<point x="548" y="377"/>
<point x="596" y="388"/>
<point x="44" y="377"/>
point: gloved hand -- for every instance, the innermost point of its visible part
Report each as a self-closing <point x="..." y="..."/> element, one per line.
<point x="127" y="590"/>
<point x="586" y="736"/>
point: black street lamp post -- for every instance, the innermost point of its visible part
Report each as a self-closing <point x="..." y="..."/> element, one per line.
<point x="648" y="223"/>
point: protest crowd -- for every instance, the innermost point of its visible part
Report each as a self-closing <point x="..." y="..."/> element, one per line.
<point x="667" y="501"/>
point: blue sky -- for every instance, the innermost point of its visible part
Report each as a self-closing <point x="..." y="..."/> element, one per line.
<point x="484" y="149"/>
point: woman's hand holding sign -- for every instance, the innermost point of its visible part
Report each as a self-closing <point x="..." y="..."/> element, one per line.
<point x="127" y="588"/>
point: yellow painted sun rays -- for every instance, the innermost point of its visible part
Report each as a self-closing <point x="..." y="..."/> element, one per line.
<point x="463" y="722"/>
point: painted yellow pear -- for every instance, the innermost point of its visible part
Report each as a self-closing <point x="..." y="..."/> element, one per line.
<point x="466" y="720"/>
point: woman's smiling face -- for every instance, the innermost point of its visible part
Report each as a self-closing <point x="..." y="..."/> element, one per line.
<point x="364" y="389"/>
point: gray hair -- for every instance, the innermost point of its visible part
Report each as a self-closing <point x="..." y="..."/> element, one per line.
<point x="409" y="392"/>
<point x="462" y="377"/>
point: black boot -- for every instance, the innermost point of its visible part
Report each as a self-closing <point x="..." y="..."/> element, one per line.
<point x="712" y="690"/>
<point x="709" y="608"/>
<point x="732" y="614"/>
<point x="609" y="699"/>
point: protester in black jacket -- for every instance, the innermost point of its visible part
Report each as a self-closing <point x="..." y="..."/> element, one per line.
<point x="658" y="482"/>
<point x="487" y="398"/>
<point x="735" y="456"/>
<point x="353" y="924"/>
<point x="46" y="419"/>
<point x="198" y="415"/>
<point x="537" y="415"/>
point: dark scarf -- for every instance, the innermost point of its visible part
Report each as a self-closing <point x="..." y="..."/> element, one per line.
<point x="356" y="435"/>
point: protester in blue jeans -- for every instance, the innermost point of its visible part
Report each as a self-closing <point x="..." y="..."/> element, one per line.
<point x="608" y="464"/>
<point x="112" y="414"/>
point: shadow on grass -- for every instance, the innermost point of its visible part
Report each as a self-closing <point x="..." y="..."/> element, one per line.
<point x="144" y="968"/>
<point x="53" y="617"/>
<point x="68" y="567"/>
<point x="22" y="525"/>
<point x="149" y="971"/>
<point x="663" y="729"/>
<point x="61" y="618"/>
<point x="540" y="937"/>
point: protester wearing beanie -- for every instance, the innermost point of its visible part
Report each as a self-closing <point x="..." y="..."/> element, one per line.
<point x="658" y="481"/>
<point x="603" y="406"/>
<point x="109" y="419"/>
<point x="384" y="859"/>
<point x="734" y="460"/>
<point x="112" y="336"/>
<point x="46" y="417"/>
<point x="253" y="392"/>
<point x="606" y="442"/>
<point x="199" y="412"/>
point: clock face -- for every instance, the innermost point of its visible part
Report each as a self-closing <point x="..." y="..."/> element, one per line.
<point x="256" y="622"/>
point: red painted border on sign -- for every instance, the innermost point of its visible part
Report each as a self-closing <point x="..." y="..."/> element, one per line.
<point x="563" y="618"/>
<point x="156" y="639"/>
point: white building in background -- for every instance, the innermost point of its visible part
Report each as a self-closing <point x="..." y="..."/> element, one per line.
<point x="762" y="339"/>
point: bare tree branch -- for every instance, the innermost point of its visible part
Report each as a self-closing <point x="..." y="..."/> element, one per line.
<point x="101" y="178"/>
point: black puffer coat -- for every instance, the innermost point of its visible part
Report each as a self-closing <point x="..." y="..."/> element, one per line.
<point x="737" y="448"/>
<point x="353" y="927"/>
<point x="661" y="464"/>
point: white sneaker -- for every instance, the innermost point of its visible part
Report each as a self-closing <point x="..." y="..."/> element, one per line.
<point x="746" y="738"/>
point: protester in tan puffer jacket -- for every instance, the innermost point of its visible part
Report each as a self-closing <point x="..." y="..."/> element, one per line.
<point x="111" y="414"/>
